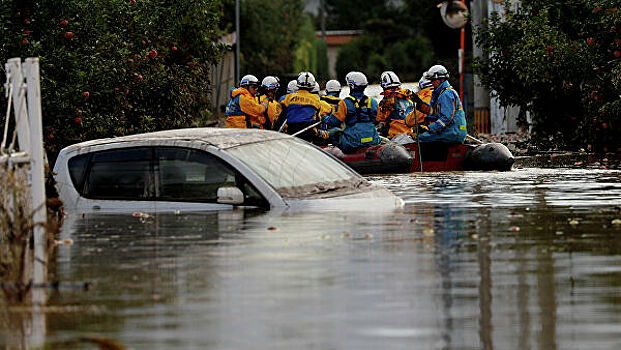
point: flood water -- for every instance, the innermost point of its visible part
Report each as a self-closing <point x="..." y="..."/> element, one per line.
<point x="529" y="259"/>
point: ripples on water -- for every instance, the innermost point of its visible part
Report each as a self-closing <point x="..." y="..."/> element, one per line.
<point x="522" y="260"/>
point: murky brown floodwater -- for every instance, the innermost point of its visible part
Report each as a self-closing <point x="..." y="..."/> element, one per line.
<point x="529" y="259"/>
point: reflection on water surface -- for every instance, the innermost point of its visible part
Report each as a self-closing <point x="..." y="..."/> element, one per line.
<point x="523" y="260"/>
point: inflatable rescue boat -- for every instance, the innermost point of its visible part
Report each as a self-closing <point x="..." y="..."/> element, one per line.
<point x="403" y="158"/>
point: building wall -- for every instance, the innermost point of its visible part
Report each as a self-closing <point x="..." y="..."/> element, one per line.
<point x="333" y="53"/>
<point x="222" y="78"/>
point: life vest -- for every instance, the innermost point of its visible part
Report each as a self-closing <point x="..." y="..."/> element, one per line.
<point x="362" y="111"/>
<point x="443" y="127"/>
<point x="332" y="100"/>
<point x="243" y="111"/>
<point x="233" y="109"/>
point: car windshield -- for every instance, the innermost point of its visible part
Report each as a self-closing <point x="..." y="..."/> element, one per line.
<point x="296" y="169"/>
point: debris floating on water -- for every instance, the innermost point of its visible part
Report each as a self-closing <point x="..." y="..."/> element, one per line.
<point x="616" y="222"/>
<point x="514" y="228"/>
<point x="271" y="228"/>
<point x="66" y="241"/>
<point x="138" y="214"/>
<point x="574" y="222"/>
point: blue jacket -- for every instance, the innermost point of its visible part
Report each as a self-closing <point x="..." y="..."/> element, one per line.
<point x="448" y="122"/>
<point x="301" y="107"/>
<point x="358" y="112"/>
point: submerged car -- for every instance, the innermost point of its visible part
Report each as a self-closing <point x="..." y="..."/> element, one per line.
<point x="210" y="169"/>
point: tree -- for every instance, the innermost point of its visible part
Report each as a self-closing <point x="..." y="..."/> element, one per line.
<point x="270" y="35"/>
<point x="564" y="70"/>
<point x="311" y="54"/>
<point x="409" y="57"/>
<point x="115" y="67"/>
<point x="407" y="37"/>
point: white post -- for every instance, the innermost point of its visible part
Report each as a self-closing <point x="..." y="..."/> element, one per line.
<point x="14" y="69"/>
<point x="37" y="166"/>
<point x="39" y="216"/>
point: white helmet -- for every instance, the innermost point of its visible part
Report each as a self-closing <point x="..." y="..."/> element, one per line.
<point x="424" y="83"/>
<point x="389" y="80"/>
<point x="357" y="81"/>
<point x="270" y="83"/>
<point x="249" y="80"/>
<point x="292" y="86"/>
<point x="333" y="86"/>
<point x="306" y="80"/>
<point x="436" y="72"/>
<point x="316" y="88"/>
<point x="349" y="76"/>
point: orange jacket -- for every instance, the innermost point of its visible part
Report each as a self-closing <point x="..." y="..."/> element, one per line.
<point x="243" y="110"/>
<point x="273" y="109"/>
<point x="416" y="115"/>
<point x="393" y="108"/>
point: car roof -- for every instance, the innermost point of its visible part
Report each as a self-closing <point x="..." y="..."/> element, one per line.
<point x="221" y="138"/>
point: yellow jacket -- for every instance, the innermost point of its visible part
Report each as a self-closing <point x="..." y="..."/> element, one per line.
<point x="273" y="109"/>
<point x="244" y="111"/>
<point x="416" y="115"/>
<point x="392" y="110"/>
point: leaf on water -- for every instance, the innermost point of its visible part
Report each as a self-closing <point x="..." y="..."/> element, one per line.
<point x="346" y="235"/>
<point x="428" y="232"/>
<point x="324" y="236"/>
<point x="574" y="222"/>
<point x="616" y="222"/>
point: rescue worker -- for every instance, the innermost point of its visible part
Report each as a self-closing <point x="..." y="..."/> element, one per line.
<point x="326" y="108"/>
<point x="424" y="92"/>
<point x="243" y="110"/>
<point x="292" y="87"/>
<point x="446" y="116"/>
<point x="301" y="109"/>
<point x="269" y="87"/>
<point x="358" y="112"/>
<point x="394" y="107"/>
<point x="333" y="91"/>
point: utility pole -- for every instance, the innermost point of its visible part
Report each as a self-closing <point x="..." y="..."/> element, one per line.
<point x="322" y="18"/>
<point x="237" y="41"/>
<point x="478" y="10"/>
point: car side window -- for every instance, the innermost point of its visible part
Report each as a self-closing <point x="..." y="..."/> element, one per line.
<point x="191" y="175"/>
<point x="121" y="174"/>
<point x="77" y="170"/>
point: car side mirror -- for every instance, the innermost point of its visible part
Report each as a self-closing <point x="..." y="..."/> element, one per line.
<point x="230" y="195"/>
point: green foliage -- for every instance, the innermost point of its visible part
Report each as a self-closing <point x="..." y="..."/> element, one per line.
<point x="408" y="57"/>
<point x="115" y="67"/>
<point x="311" y="54"/>
<point x="322" y="60"/>
<point x="563" y="69"/>
<point x="270" y="35"/>
<point x="406" y="37"/>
